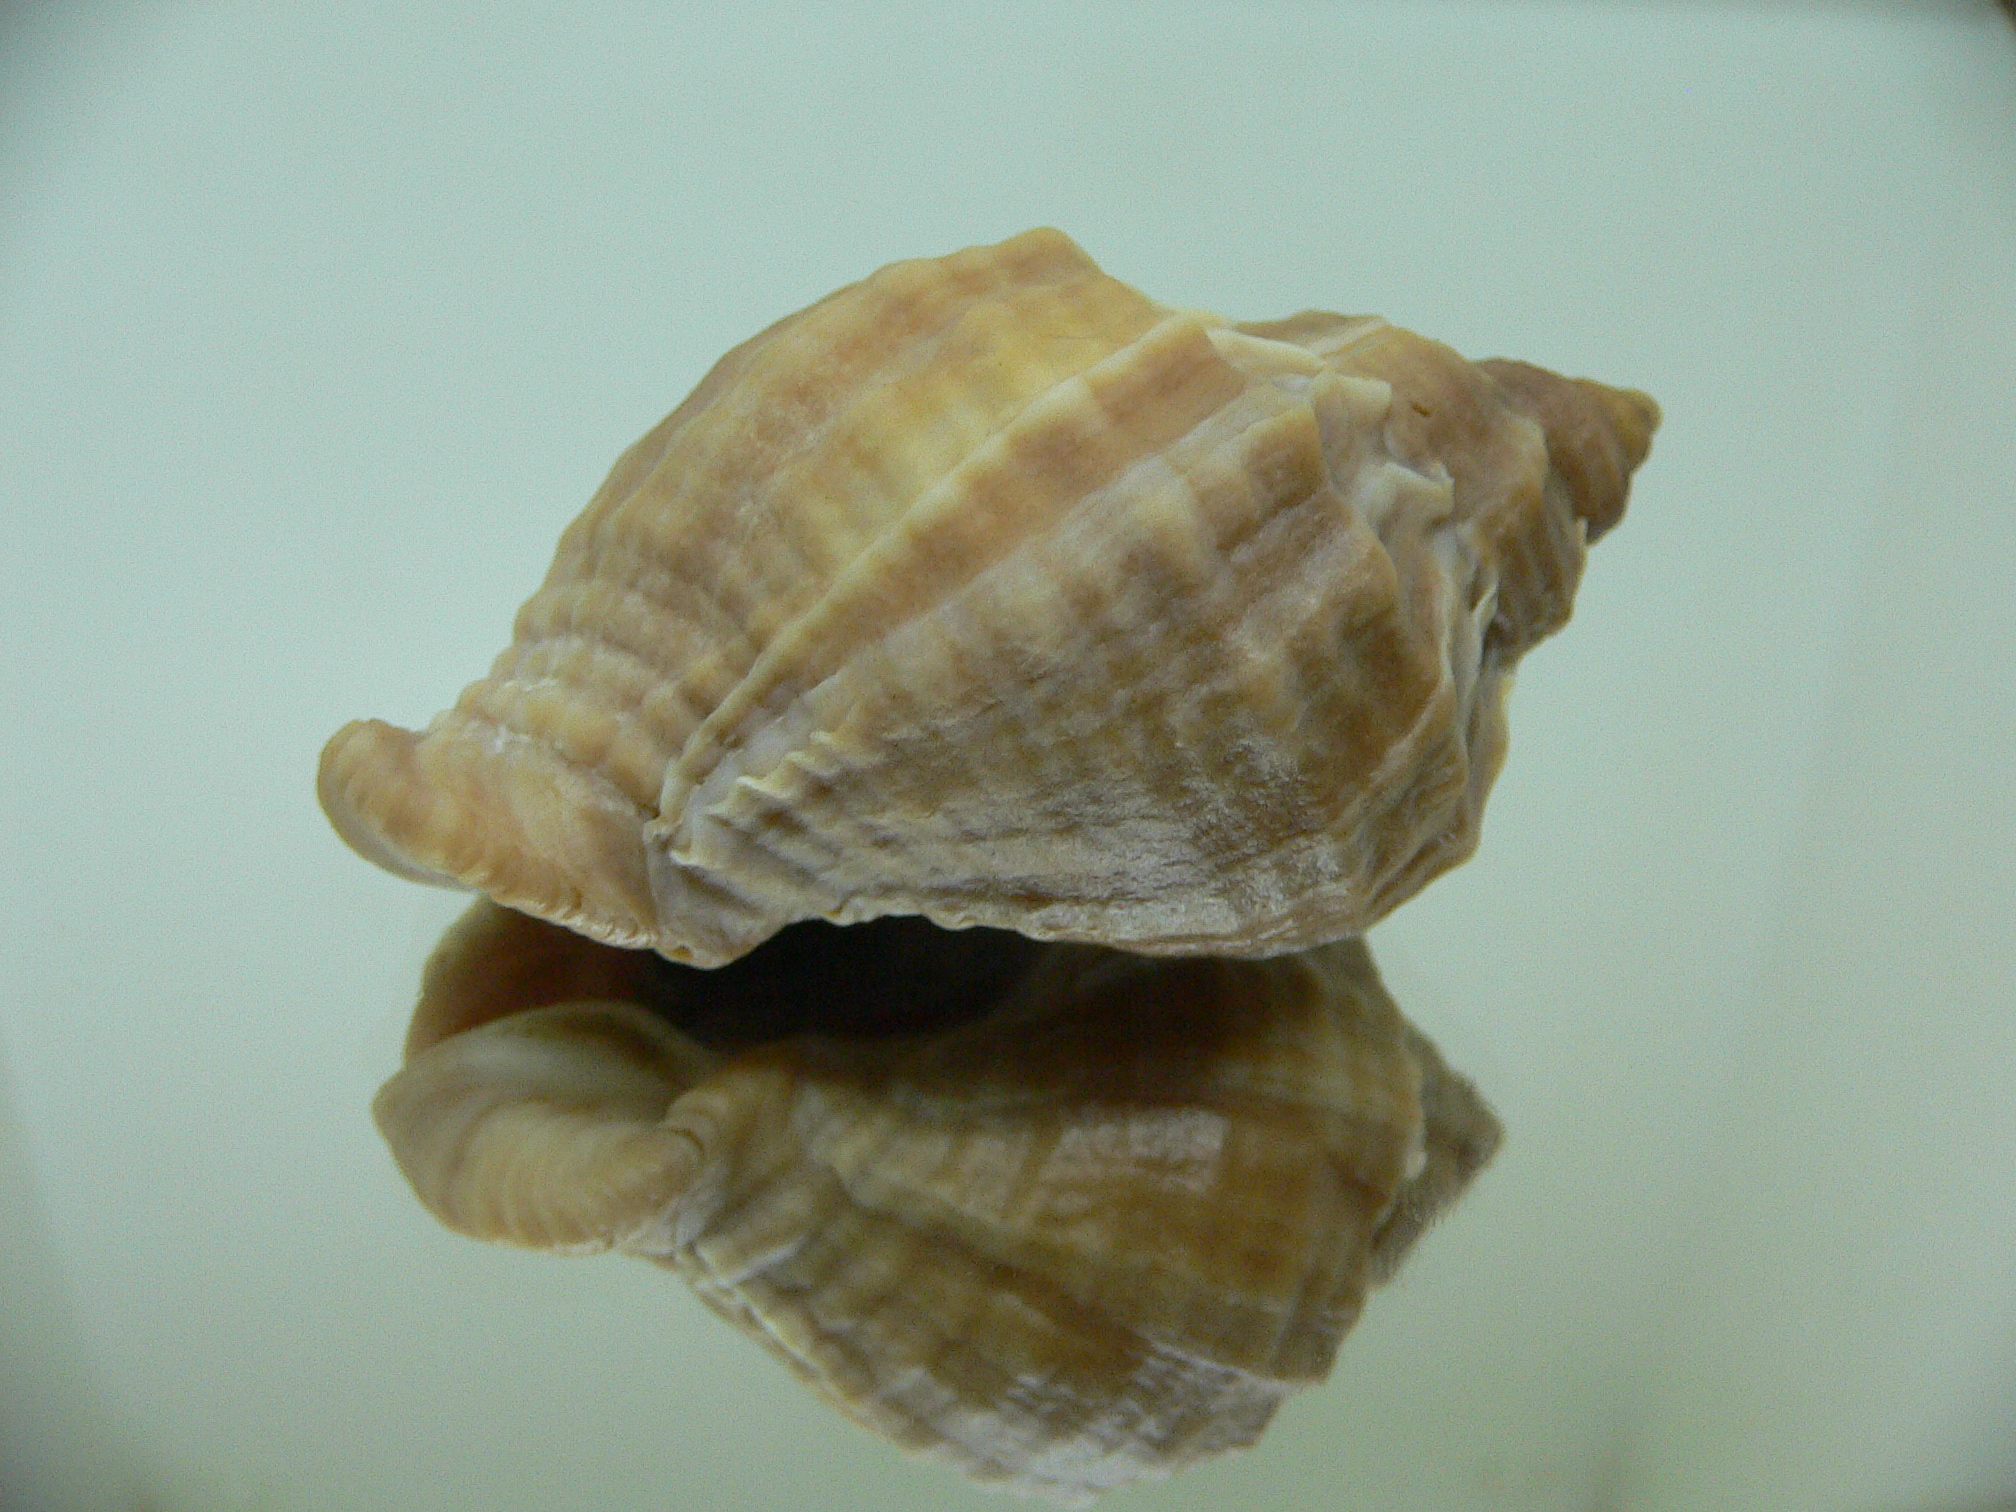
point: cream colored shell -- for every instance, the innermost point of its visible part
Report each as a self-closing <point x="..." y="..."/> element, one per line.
<point x="991" y="591"/>
<point x="1095" y="1230"/>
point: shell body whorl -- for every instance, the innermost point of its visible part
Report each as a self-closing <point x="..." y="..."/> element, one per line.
<point x="990" y="591"/>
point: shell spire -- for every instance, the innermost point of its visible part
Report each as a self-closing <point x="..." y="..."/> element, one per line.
<point x="989" y="590"/>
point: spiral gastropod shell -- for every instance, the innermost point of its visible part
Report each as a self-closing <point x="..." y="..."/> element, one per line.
<point x="990" y="591"/>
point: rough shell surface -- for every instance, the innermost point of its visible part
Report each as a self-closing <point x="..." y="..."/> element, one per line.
<point x="991" y="591"/>
<point x="1091" y="1231"/>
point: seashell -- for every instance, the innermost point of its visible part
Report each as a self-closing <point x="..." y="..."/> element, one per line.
<point x="1106" y="668"/>
<point x="1070" y="1218"/>
<point x="990" y="591"/>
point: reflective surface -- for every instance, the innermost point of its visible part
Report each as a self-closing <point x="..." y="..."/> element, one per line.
<point x="1090" y="1236"/>
<point x="314" y="332"/>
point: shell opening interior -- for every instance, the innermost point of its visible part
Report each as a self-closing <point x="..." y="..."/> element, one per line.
<point x="888" y="976"/>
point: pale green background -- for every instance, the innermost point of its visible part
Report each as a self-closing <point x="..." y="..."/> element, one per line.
<point x="318" y="322"/>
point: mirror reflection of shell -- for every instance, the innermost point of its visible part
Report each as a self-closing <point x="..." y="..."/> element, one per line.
<point x="1092" y="1226"/>
<point x="991" y="591"/>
